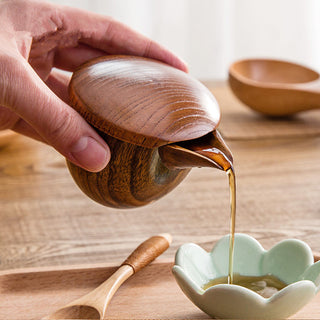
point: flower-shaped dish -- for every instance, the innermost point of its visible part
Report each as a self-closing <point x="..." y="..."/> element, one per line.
<point x="291" y="261"/>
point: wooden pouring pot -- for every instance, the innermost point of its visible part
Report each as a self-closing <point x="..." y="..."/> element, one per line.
<point x="158" y="122"/>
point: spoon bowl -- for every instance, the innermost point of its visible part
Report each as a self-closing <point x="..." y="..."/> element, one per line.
<point x="274" y="87"/>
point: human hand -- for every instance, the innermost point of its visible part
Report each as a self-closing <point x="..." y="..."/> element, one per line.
<point x="36" y="37"/>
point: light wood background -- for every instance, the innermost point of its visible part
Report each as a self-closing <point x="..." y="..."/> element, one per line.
<point x="45" y="220"/>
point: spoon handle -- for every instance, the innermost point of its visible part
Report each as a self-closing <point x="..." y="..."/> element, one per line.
<point x="147" y="251"/>
<point x="144" y="254"/>
<point x="99" y="298"/>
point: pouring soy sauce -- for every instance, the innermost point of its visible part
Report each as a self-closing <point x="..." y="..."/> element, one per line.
<point x="158" y="121"/>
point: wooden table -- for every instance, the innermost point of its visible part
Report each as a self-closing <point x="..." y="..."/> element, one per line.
<point x="47" y="221"/>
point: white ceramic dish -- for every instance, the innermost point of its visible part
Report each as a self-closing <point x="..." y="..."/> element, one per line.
<point x="290" y="260"/>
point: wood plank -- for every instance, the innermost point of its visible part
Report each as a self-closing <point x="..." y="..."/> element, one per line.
<point x="238" y="122"/>
<point x="150" y="294"/>
<point x="35" y="293"/>
<point x="46" y="220"/>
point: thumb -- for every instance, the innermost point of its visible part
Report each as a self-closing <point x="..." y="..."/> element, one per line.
<point x="55" y="121"/>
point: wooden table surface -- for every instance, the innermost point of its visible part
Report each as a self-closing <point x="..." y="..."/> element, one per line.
<point x="45" y="220"/>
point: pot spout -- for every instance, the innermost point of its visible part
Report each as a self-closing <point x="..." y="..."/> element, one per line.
<point x="207" y="151"/>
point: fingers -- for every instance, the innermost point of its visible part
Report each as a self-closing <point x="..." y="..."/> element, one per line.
<point x="10" y="120"/>
<point x="53" y="120"/>
<point x="7" y="118"/>
<point x="113" y="37"/>
<point x="24" y="128"/>
<point x="72" y="57"/>
<point x="58" y="82"/>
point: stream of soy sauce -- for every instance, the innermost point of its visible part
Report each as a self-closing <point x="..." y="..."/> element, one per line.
<point x="232" y="188"/>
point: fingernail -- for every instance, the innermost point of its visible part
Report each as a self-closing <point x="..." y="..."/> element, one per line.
<point x="90" y="154"/>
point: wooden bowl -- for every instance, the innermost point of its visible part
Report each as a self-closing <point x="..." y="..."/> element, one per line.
<point x="275" y="87"/>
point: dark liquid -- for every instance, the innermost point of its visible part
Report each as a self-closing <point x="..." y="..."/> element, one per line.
<point x="212" y="148"/>
<point x="266" y="285"/>
<point x="232" y="186"/>
<point x="211" y="152"/>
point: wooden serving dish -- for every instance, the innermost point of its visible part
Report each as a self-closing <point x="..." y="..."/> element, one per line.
<point x="275" y="88"/>
<point x="150" y="294"/>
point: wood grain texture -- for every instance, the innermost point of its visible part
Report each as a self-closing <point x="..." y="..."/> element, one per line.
<point x="210" y="148"/>
<point x="148" y="251"/>
<point x="34" y="294"/>
<point x="94" y="304"/>
<point x="150" y="294"/>
<point x="238" y="122"/>
<point x="47" y="220"/>
<point x="275" y="88"/>
<point x="139" y="104"/>
<point x="134" y="177"/>
<point x="143" y="101"/>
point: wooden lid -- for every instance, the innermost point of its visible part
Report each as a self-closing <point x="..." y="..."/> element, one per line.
<point x="143" y="101"/>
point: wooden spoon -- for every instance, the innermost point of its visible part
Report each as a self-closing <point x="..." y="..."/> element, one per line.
<point x="275" y="88"/>
<point x="94" y="304"/>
